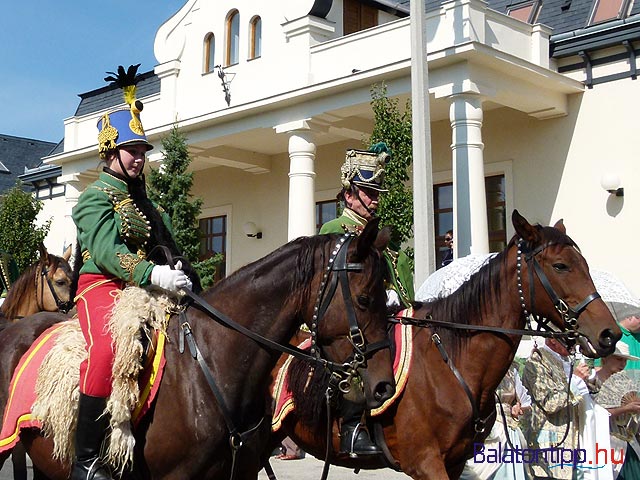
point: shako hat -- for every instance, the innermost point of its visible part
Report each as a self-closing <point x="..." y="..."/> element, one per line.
<point x="365" y="168"/>
<point x="122" y="126"/>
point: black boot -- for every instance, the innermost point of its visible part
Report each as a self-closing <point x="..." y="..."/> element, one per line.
<point x="90" y="433"/>
<point x="354" y="438"/>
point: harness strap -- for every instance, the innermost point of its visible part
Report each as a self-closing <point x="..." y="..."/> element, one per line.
<point x="479" y="424"/>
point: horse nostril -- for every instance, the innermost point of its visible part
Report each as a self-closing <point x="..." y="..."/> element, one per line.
<point x="607" y="339"/>
<point x="384" y="391"/>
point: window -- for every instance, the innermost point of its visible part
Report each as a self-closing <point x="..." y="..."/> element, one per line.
<point x="255" y="43"/>
<point x="213" y="240"/>
<point x="496" y="214"/>
<point x="357" y="16"/>
<point x="526" y="12"/>
<point x="604" y="10"/>
<point x="233" y="38"/>
<point x="49" y="188"/>
<point x="325" y="211"/>
<point x="209" y="53"/>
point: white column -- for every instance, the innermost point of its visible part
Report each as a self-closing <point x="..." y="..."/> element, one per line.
<point x="470" y="227"/>
<point x="424" y="233"/>
<point x="302" y="212"/>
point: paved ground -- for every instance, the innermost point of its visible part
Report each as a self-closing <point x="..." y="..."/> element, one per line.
<point x="307" y="468"/>
<point x="311" y="469"/>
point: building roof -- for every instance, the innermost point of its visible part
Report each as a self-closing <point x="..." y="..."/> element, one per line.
<point x="18" y="154"/>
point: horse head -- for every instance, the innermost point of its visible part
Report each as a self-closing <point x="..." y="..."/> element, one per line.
<point x="555" y="286"/>
<point x="353" y="330"/>
<point x="54" y="286"/>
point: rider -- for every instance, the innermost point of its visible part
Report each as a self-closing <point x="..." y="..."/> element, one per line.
<point x="117" y="226"/>
<point x="362" y="177"/>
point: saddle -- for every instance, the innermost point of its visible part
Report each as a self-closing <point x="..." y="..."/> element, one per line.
<point x="48" y="376"/>
<point x="402" y="343"/>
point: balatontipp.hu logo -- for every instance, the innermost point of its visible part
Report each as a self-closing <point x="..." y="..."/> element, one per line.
<point x="553" y="457"/>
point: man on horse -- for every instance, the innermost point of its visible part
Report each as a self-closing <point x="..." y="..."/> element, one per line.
<point x="118" y="228"/>
<point x="362" y="178"/>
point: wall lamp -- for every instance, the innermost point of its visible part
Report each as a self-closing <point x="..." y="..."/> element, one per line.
<point x="251" y="230"/>
<point x="611" y="183"/>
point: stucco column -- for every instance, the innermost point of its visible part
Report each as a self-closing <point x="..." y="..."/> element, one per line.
<point x="470" y="227"/>
<point x="302" y="213"/>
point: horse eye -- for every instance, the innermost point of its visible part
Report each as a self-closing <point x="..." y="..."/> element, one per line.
<point x="364" y="301"/>
<point x="560" y="267"/>
<point x="61" y="283"/>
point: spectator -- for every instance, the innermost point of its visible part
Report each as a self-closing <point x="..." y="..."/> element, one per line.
<point x="619" y="394"/>
<point x="628" y="318"/>
<point x="447" y="256"/>
<point x="554" y="410"/>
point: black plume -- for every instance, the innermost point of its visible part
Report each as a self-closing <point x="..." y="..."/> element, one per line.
<point x="124" y="79"/>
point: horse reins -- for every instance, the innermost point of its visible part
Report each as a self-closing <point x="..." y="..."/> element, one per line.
<point x="337" y="271"/>
<point x="568" y="314"/>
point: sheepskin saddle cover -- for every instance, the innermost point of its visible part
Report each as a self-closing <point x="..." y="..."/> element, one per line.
<point x="54" y="360"/>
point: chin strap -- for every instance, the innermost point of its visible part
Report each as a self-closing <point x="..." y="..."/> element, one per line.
<point x="356" y="190"/>
<point x="124" y="170"/>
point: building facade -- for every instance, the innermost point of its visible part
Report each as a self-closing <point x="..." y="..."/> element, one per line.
<point x="532" y="106"/>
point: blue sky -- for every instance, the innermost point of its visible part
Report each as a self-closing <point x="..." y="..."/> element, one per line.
<point x="51" y="51"/>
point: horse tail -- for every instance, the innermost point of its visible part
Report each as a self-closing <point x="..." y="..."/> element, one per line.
<point x="308" y="386"/>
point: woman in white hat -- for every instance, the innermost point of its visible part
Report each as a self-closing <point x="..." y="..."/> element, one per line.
<point x="620" y="395"/>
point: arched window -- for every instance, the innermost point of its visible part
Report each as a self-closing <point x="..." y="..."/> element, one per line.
<point x="233" y="38"/>
<point x="255" y="40"/>
<point x="209" y="53"/>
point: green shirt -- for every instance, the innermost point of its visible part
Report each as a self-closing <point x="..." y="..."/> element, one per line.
<point x="112" y="232"/>
<point x="397" y="261"/>
<point x="633" y="340"/>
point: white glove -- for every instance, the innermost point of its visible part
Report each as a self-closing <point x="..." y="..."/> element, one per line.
<point x="393" y="300"/>
<point x="173" y="280"/>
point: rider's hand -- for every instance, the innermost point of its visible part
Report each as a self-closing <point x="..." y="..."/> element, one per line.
<point x="173" y="280"/>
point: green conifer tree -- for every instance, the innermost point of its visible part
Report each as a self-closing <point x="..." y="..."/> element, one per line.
<point x="170" y="187"/>
<point x="393" y="126"/>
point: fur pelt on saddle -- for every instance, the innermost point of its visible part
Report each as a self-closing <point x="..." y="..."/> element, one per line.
<point x="138" y="312"/>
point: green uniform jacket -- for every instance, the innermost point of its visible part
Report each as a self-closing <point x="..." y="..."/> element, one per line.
<point x="398" y="262"/>
<point x="112" y="232"/>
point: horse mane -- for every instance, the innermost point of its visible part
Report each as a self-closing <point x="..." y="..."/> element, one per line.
<point x="25" y="284"/>
<point x="308" y="386"/>
<point x="468" y="304"/>
<point x="304" y="248"/>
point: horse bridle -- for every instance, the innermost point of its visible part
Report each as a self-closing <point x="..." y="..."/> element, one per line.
<point x="568" y="314"/>
<point x="361" y="351"/>
<point x="63" y="307"/>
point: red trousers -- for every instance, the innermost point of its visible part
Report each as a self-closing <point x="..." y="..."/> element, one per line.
<point x="95" y="300"/>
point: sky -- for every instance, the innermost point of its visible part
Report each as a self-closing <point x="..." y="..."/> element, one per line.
<point x="52" y="51"/>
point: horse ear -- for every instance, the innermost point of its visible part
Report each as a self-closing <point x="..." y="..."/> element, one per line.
<point x="67" y="253"/>
<point x="560" y="226"/>
<point x="383" y="239"/>
<point x="367" y="239"/>
<point x="524" y="229"/>
<point x="44" y="255"/>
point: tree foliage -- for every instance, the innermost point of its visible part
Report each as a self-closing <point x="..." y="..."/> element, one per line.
<point x="393" y="126"/>
<point x="170" y="187"/>
<point x="19" y="234"/>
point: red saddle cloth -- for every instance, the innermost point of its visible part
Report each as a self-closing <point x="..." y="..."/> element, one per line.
<point x="403" y="339"/>
<point x="22" y="394"/>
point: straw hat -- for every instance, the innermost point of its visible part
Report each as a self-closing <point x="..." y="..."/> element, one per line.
<point x="622" y="350"/>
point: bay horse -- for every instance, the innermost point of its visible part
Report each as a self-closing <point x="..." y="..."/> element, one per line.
<point x="431" y="427"/>
<point x="45" y="286"/>
<point x="333" y="284"/>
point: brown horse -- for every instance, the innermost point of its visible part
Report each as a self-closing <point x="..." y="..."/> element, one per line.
<point x="431" y="428"/>
<point x="45" y="286"/>
<point x="334" y="284"/>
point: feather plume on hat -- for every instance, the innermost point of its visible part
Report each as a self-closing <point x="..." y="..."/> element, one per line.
<point x="127" y="81"/>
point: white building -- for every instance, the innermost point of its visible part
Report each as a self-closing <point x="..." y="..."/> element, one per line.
<point x="543" y="114"/>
